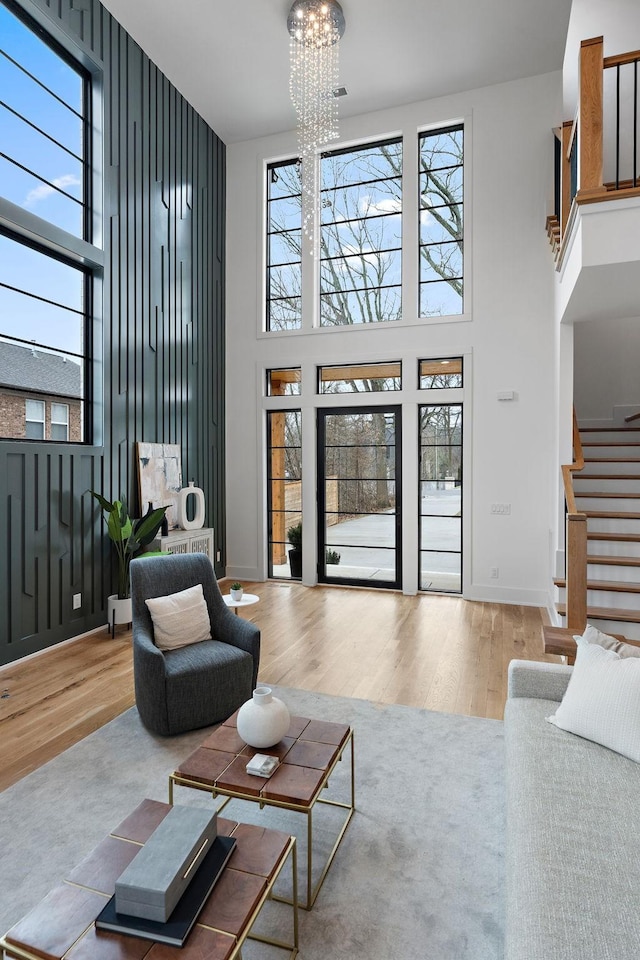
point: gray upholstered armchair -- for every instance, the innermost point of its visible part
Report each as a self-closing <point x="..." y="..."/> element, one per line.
<point x="196" y="685"/>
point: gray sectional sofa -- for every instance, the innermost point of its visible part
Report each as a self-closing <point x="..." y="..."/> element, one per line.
<point x="573" y="832"/>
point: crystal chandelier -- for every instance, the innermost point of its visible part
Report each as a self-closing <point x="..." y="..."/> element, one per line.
<point x="315" y="27"/>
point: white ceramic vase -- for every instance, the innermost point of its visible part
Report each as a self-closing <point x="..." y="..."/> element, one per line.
<point x="263" y="720"/>
<point x="236" y="594"/>
<point x="198" y="518"/>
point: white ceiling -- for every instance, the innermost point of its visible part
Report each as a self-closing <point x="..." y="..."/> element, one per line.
<point x="230" y="59"/>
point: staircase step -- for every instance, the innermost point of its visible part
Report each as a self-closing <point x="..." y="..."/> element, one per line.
<point x="607" y="476"/>
<point x="614" y="537"/>
<point x="605" y="613"/>
<point x="610" y="586"/>
<point x="608" y="501"/>
<point x="602" y="483"/>
<point x="612" y="459"/>
<point x="611" y="494"/>
<point x="611" y="515"/>
<point x="614" y="443"/>
<point x="614" y="561"/>
<point x="607" y="429"/>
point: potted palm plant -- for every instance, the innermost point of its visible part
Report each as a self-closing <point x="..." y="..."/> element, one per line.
<point x="128" y="537"/>
<point x="294" y="536"/>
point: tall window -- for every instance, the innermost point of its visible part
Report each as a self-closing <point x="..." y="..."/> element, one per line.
<point x="44" y="168"/>
<point x="361" y="235"/>
<point x="284" y="256"/>
<point x="440" y="505"/>
<point x="284" y="470"/>
<point x="441" y="154"/>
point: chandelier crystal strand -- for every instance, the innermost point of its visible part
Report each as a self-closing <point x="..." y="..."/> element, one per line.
<point x="315" y="27"/>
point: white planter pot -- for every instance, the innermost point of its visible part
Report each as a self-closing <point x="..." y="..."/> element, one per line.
<point x="236" y="594"/>
<point x="264" y="720"/>
<point x="118" y="611"/>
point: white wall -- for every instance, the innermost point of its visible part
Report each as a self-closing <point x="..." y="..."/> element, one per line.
<point x="607" y="361"/>
<point x="508" y="338"/>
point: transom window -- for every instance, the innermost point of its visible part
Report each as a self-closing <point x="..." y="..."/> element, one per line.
<point x="360" y="378"/>
<point x="440" y="374"/>
<point x="361" y="235"/>
<point x="284" y="382"/>
<point x="441" y="155"/>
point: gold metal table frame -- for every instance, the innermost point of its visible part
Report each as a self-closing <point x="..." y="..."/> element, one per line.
<point x="305" y="809"/>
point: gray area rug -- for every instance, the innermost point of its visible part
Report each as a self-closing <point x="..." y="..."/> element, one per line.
<point x="419" y="874"/>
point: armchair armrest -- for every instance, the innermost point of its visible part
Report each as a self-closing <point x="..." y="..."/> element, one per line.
<point x="542" y="681"/>
<point x="240" y="633"/>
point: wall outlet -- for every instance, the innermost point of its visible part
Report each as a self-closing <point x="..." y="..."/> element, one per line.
<point x="494" y="573"/>
<point x="504" y="509"/>
<point x="77" y="601"/>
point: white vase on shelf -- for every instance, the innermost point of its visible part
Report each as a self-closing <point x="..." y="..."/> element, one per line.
<point x="198" y="518"/>
<point x="264" y="720"/>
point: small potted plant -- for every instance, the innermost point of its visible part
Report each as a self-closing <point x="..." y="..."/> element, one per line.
<point x="236" y="591"/>
<point x="128" y="537"/>
<point x="294" y="535"/>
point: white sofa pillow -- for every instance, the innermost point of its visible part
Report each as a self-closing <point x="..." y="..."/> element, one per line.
<point x="593" y="635"/>
<point x="602" y="701"/>
<point x="180" y="618"/>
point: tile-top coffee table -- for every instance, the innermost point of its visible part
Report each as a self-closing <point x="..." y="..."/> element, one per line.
<point x="61" y="927"/>
<point x="308" y="755"/>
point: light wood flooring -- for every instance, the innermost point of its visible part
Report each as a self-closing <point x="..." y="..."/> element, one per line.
<point x="438" y="652"/>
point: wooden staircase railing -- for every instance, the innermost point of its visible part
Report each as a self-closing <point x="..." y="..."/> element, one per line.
<point x="576" y="541"/>
<point x="581" y="140"/>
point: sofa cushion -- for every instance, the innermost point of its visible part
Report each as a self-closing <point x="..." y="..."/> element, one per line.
<point x="572" y="856"/>
<point x="180" y="619"/>
<point x="602" y="701"/>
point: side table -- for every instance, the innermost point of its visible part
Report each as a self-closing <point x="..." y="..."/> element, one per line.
<point x="248" y="599"/>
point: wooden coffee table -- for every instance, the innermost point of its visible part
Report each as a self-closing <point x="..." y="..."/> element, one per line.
<point x="308" y="756"/>
<point x="62" y="925"/>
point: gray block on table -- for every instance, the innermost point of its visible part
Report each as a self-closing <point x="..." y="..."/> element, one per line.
<point x="159" y="874"/>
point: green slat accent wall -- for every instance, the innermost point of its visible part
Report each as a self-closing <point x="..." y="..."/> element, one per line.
<point x="162" y="376"/>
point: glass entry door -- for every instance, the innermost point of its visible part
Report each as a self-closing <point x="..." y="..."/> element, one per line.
<point x="359" y="508"/>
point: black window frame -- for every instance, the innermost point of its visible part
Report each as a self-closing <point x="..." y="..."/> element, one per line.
<point x="49" y="240"/>
<point x="268" y="234"/>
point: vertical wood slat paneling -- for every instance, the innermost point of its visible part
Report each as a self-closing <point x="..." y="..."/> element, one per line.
<point x="162" y="376"/>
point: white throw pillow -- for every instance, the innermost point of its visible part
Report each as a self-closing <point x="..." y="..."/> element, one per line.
<point x="593" y="635"/>
<point x="180" y="619"/>
<point x="602" y="701"/>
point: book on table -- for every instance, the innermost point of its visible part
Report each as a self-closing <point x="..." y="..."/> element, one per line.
<point x="176" y="929"/>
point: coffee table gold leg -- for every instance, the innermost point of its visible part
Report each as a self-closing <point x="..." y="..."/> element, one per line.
<point x="294" y="888"/>
<point x="309" y="857"/>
